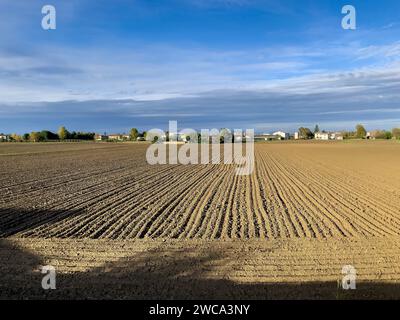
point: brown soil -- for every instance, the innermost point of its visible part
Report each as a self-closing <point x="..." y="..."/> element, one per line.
<point x="116" y="227"/>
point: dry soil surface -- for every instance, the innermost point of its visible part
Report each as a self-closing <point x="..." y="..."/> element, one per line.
<point x="116" y="227"/>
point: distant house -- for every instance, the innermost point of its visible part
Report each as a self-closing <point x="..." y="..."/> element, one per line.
<point x="328" y="136"/>
<point x="283" y="135"/>
<point x="336" y="136"/>
<point x="114" y="136"/>
<point x="267" y="137"/>
<point x="173" y="142"/>
<point x="100" y="137"/>
<point x="322" y="136"/>
<point x="296" y="136"/>
<point x="118" y="137"/>
<point x="4" y="137"/>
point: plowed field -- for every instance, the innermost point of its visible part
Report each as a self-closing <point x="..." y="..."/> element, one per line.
<point x="307" y="210"/>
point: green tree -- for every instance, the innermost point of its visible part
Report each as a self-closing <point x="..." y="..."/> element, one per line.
<point x="26" y="136"/>
<point x="73" y="135"/>
<point x="16" y="137"/>
<point x="348" y="134"/>
<point x="63" y="133"/>
<point x="388" y="135"/>
<point x="361" y="133"/>
<point x="35" y="136"/>
<point x="81" y="135"/>
<point x="316" y="129"/>
<point x="48" y="135"/>
<point x="305" y="133"/>
<point x="133" y="134"/>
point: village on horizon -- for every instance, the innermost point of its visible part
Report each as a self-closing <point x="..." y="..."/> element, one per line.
<point x="134" y="135"/>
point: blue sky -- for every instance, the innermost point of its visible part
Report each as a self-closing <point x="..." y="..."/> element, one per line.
<point x="267" y="65"/>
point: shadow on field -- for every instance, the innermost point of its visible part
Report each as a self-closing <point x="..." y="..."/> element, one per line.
<point x="156" y="275"/>
<point x="17" y="220"/>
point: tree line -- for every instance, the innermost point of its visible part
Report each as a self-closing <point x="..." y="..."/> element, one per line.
<point x="46" y="135"/>
<point x="359" y="133"/>
<point x="63" y="134"/>
<point x="304" y="133"/>
<point x="134" y="134"/>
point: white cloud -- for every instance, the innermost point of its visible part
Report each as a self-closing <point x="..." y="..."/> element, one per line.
<point x="82" y="74"/>
<point x="383" y="51"/>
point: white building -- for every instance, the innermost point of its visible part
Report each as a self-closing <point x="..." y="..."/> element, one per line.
<point x="328" y="136"/>
<point x="296" y="136"/>
<point x="322" y="136"/>
<point x="113" y="136"/>
<point x="336" y="136"/>
<point x="282" y="134"/>
<point x="266" y="137"/>
<point x="4" y="137"/>
<point x="100" y="137"/>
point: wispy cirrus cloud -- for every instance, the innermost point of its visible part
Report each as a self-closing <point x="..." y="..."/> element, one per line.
<point x="64" y="73"/>
<point x="390" y="51"/>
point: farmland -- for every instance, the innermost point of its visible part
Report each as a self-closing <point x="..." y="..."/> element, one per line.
<point x="99" y="212"/>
